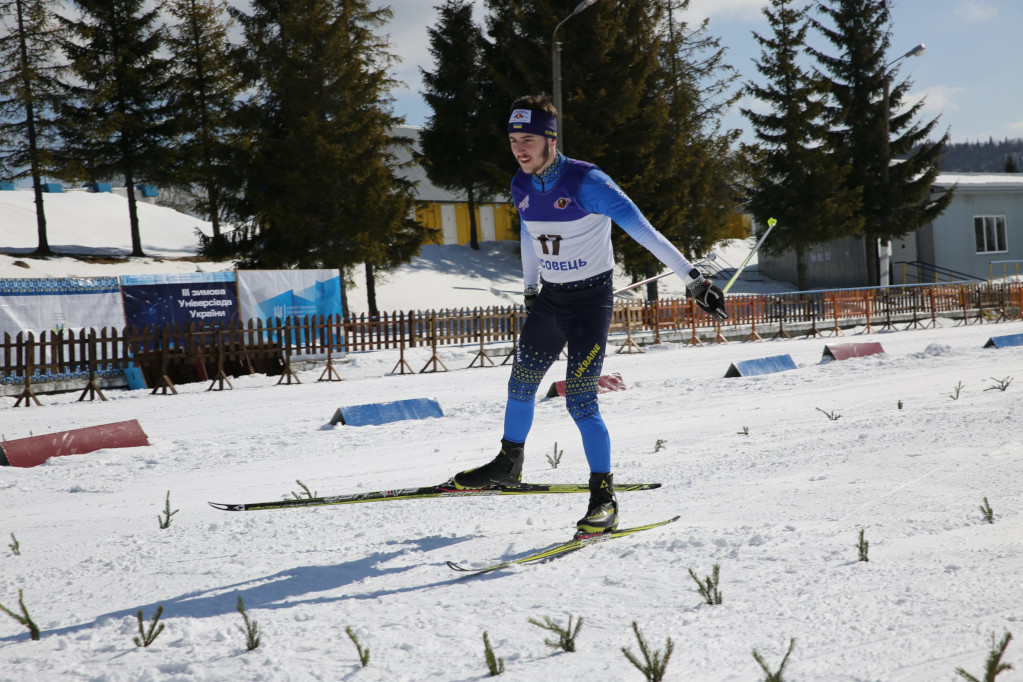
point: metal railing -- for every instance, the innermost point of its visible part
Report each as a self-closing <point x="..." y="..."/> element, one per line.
<point x="928" y="272"/>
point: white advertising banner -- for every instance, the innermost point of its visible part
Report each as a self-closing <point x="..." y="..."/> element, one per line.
<point x="55" y="303"/>
<point x="267" y="294"/>
<point x="280" y="294"/>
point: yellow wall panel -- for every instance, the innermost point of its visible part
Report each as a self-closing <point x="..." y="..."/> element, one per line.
<point x="506" y="225"/>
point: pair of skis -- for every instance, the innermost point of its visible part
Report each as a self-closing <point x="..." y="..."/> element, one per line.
<point x="447" y="490"/>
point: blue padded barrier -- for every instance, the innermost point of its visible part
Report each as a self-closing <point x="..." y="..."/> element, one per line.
<point x="1005" y="341"/>
<point x="373" y="414"/>
<point x="769" y="365"/>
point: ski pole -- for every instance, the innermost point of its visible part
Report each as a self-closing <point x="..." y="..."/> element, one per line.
<point x="709" y="257"/>
<point x="771" y="222"/>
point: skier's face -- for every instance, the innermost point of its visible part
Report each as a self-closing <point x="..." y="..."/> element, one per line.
<point x="533" y="152"/>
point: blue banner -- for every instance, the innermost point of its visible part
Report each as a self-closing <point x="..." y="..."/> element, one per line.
<point x="203" y="298"/>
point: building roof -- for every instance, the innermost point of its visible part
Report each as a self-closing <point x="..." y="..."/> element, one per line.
<point x="426" y="190"/>
<point x="980" y="182"/>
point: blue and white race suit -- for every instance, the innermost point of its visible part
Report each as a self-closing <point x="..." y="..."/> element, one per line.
<point x="566" y="214"/>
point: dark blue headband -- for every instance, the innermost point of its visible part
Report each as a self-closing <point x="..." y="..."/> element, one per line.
<point x="534" y="122"/>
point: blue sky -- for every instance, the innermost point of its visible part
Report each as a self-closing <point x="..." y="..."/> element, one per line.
<point x="970" y="75"/>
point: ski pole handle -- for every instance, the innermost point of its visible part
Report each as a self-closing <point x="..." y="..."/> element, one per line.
<point x="771" y="222"/>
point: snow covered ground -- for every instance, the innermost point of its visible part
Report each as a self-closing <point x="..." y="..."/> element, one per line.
<point x="774" y="477"/>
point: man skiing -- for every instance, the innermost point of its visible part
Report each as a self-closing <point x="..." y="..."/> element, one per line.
<point x="566" y="209"/>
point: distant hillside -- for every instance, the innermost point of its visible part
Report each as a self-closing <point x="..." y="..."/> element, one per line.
<point x="982" y="157"/>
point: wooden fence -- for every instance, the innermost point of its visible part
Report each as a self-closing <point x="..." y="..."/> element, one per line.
<point x="162" y="355"/>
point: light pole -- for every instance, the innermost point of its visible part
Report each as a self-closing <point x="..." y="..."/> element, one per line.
<point x="556" y="66"/>
<point x="882" y="269"/>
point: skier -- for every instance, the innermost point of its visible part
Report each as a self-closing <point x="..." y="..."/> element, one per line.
<point x="566" y="208"/>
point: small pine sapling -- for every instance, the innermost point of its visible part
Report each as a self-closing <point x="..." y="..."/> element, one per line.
<point x="830" y="415"/>
<point x="555" y="459"/>
<point x="987" y="511"/>
<point x="862" y="547"/>
<point x="744" y="432"/>
<point x="566" y="635"/>
<point x="709" y="587"/>
<point x="363" y="653"/>
<point x="15" y="546"/>
<point x="251" y="629"/>
<point x="654" y="663"/>
<point x="774" y="676"/>
<point x="306" y="494"/>
<point x="994" y="667"/>
<point x="165" y="520"/>
<point x="147" y="637"/>
<point x="1000" y="384"/>
<point x="494" y="664"/>
<point x="659" y="445"/>
<point x="956" y="390"/>
<point x="23" y="618"/>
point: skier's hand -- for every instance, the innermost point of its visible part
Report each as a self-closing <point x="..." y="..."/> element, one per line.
<point x="709" y="297"/>
<point x="529" y="297"/>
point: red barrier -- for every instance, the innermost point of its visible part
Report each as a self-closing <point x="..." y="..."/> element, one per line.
<point x="844" y="351"/>
<point x="607" y="382"/>
<point x="29" y="452"/>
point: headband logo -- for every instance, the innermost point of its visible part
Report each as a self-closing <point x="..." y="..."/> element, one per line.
<point x="533" y="122"/>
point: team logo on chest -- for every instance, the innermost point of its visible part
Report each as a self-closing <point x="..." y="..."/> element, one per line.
<point x="563" y="202"/>
<point x="524" y="204"/>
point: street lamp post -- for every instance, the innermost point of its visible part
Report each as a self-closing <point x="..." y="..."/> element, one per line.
<point x="556" y="66"/>
<point x="882" y="272"/>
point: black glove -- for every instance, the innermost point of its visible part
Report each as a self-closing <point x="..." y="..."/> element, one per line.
<point x="708" y="296"/>
<point x="529" y="298"/>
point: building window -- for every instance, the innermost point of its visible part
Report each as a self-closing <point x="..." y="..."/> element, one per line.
<point x="989" y="232"/>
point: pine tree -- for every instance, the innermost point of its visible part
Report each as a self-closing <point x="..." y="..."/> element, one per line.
<point x="611" y="114"/>
<point x="800" y="180"/>
<point x="117" y="121"/>
<point x="454" y="137"/>
<point x="323" y="187"/>
<point x="692" y="188"/>
<point x="896" y="197"/>
<point x="29" y="88"/>
<point x="204" y="90"/>
<point x="517" y="62"/>
<point x="1010" y="164"/>
<point x="624" y="107"/>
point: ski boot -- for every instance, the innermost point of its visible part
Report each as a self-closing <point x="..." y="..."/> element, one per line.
<point x="602" y="514"/>
<point x="503" y="470"/>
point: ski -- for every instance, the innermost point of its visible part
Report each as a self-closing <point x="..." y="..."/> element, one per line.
<point x="577" y="542"/>
<point x="427" y="492"/>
